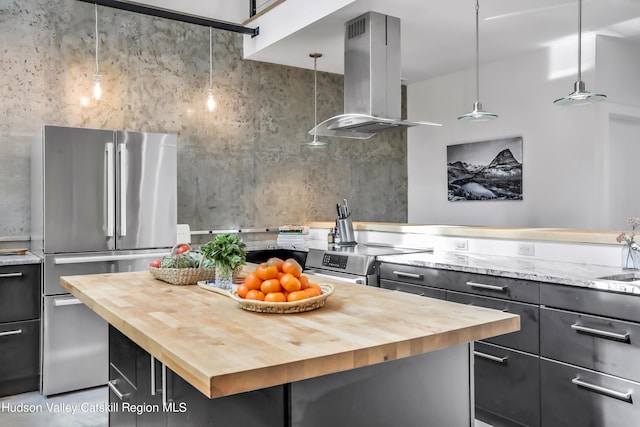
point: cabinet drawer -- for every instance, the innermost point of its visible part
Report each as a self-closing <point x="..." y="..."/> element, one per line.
<point x="599" y="343"/>
<point x="579" y="397"/>
<point x="479" y="284"/>
<point x="494" y="286"/>
<point x="424" y="291"/>
<point x="507" y="386"/>
<point x="412" y="274"/>
<point x="122" y="355"/>
<point x="19" y="357"/>
<point x="120" y="390"/>
<point x="592" y="301"/>
<point x="19" y="292"/>
<point x="526" y="339"/>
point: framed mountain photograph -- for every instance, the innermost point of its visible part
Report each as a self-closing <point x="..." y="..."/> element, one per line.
<point x="485" y="170"/>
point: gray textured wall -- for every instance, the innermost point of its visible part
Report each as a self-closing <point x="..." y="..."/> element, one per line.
<point x="242" y="165"/>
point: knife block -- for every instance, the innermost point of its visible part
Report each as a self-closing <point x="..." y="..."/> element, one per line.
<point x="345" y="228"/>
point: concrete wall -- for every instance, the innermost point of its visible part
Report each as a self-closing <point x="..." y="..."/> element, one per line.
<point x="242" y="165"/>
<point x="567" y="151"/>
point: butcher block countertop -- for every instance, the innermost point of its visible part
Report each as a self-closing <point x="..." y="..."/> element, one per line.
<point x="221" y="349"/>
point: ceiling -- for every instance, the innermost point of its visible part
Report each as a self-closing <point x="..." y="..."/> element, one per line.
<point x="438" y="37"/>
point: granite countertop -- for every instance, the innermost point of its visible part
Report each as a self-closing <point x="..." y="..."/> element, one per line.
<point x="220" y="349"/>
<point x="563" y="273"/>
<point x="27" y="258"/>
<point x="560" y="272"/>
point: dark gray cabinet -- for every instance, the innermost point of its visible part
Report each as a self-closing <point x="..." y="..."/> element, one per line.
<point x="136" y="395"/>
<point x="507" y="386"/>
<point x="473" y="283"/>
<point x="575" y="396"/>
<point x="507" y="367"/>
<point x="19" y="328"/>
<point x="425" y="291"/>
<point x="527" y="338"/>
<point x="589" y="366"/>
<point x="574" y="361"/>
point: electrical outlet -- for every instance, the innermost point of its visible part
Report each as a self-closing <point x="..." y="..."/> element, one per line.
<point x="461" y="245"/>
<point x="527" y="249"/>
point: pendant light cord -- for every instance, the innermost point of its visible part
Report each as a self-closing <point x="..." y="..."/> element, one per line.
<point x="315" y="96"/>
<point x="96" y="37"/>
<point x="477" y="54"/>
<point x="210" y="59"/>
<point x="579" y="40"/>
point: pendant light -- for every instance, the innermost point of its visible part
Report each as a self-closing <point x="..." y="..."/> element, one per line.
<point x="211" y="103"/>
<point x="580" y="95"/>
<point x="477" y="115"/>
<point x="97" y="88"/>
<point x="315" y="142"/>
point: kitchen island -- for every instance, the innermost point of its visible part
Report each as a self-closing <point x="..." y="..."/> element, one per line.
<point x="370" y="356"/>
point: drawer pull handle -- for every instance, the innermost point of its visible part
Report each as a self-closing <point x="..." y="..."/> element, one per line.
<point x="7" y="275"/>
<point x="600" y="333"/>
<point x="487" y="287"/>
<point x="14" y="332"/>
<point x="408" y="275"/>
<point x="502" y="360"/>
<point x="66" y="301"/>
<point x="113" y="385"/>
<point x="153" y="375"/>
<point x="603" y="390"/>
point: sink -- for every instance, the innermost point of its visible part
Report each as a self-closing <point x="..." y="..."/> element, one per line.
<point x="631" y="276"/>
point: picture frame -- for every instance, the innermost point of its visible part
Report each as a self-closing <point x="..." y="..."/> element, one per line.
<point x="485" y="170"/>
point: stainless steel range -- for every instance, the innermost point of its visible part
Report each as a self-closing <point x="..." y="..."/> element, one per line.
<point x="352" y="264"/>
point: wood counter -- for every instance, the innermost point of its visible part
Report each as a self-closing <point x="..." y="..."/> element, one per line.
<point x="565" y="235"/>
<point x="220" y="349"/>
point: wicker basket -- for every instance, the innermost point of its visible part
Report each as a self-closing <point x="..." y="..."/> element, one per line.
<point x="308" y="304"/>
<point x="183" y="276"/>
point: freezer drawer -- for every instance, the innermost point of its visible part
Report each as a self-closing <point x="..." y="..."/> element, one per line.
<point x="19" y="292"/>
<point x="75" y="346"/>
<point x="599" y="343"/>
<point x="579" y="397"/>
<point x="507" y="386"/>
<point x="526" y="339"/>
<point x="19" y="357"/>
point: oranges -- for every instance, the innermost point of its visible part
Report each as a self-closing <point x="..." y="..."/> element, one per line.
<point x="291" y="266"/>
<point x="278" y="281"/>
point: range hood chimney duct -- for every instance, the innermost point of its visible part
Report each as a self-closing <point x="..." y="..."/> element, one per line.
<point x="372" y="84"/>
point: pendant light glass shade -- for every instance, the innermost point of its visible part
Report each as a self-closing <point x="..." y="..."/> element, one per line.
<point x="97" y="86"/>
<point x="211" y="102"/>
<point x="580" y="95"/>
<point x="477" y="114"/>
<point x="315" y="142"/>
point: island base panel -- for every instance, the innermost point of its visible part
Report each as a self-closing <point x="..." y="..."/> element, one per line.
<point x="430" y="389"/>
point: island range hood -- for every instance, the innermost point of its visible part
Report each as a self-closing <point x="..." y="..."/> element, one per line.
<point x="372" y="86"/>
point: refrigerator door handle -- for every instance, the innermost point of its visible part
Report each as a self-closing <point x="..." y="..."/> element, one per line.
<point x="103" y="258"/>
<point x="124" y="176"/>
<point x="111" y="190"/>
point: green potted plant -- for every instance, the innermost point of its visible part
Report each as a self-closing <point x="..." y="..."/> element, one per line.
<point x="228" y="252"/>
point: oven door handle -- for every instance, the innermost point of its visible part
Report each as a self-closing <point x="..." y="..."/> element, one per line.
<point x="358" y="280"/>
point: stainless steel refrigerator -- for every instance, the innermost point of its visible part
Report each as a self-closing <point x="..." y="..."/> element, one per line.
<point x="102" y="201"/>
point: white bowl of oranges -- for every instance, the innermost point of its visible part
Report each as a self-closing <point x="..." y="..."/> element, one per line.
<point x="278" y="286"/>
